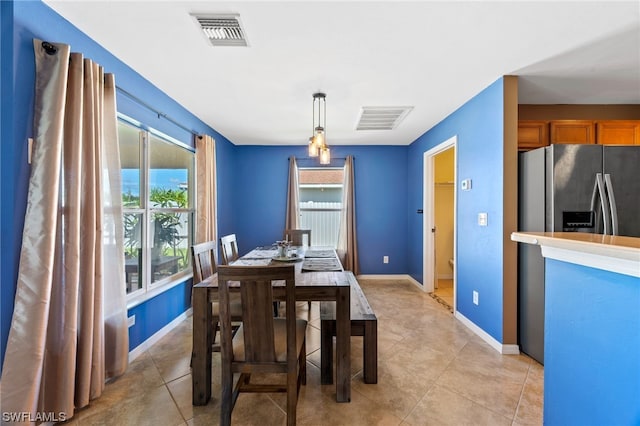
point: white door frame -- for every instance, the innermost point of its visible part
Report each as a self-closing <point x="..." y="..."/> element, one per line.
<point x="428" y="248"/>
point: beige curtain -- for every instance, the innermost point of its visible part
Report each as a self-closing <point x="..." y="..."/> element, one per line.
<point x="69" y="327"/>
<point x="293" y="200"/>
<point x="205" y="189"/>
<point x="347" y="240"/>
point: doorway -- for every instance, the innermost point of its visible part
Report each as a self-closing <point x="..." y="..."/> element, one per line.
<point x="439" y="222"/>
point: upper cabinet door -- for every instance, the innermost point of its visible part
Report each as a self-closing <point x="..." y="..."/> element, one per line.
<point x="618" y="132"/>
<point x="532" y="134"/>
<point x="573" y="131"/>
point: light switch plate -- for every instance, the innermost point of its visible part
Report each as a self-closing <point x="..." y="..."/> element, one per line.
<point x="482" y="219"/>
<point x="465" y="184"/>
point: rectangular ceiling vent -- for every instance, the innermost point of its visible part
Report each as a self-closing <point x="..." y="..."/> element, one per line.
<point x="222" y="30"/>
<point x="382" y="118"/>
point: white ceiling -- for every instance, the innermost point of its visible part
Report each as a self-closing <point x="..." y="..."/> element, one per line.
<point x="432" y="55"/>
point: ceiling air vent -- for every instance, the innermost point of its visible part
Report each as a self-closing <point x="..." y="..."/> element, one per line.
<point x="382" y="118"/>
<point x="222" y="30"/>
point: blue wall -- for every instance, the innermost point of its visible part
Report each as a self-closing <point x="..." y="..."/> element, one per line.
<point x="381" y="198"/>
<point x="21" y="22"/>
<point x="591" y="346"/>
<point x="478" y="125"/>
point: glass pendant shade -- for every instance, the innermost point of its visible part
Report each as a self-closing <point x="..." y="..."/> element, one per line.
<point x="325" y="155"/>
<point x="313" y="148"/>
<point x="319" y="137"/>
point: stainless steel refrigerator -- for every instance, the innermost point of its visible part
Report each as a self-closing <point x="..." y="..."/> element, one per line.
<point x="567" y="187"/>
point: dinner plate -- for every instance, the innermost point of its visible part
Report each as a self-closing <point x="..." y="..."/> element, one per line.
<point x="286" y="259"/>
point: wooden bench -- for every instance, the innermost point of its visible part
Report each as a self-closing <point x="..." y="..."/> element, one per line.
<point x="363" y="323"/>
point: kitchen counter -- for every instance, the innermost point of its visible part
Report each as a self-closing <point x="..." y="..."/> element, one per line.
<point x="607" y="252"/>
<point x="591" y="327"/>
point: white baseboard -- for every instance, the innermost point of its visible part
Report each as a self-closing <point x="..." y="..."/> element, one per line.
<point x="394" y="277"/>
<point x="503" y="349"/>
<point x="142" y="347"/>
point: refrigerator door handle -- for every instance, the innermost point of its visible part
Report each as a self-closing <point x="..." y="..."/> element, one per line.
<point x="598" y="189"/>
<point x="594" y="195"/>
<point x="603" y="203"/>
<point x="612" y="204"/>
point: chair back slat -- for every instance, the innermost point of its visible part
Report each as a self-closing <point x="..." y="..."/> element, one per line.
<point x="257" y="314"/>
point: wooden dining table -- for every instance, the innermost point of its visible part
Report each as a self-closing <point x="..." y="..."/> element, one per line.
<point x="317" y="284"/>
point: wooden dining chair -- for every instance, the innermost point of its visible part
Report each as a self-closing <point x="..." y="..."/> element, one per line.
<point x="296" y="236"/>
<point x="228" y="248"/>
<point x="203" y="261"/>
<point x="263" y="344"/>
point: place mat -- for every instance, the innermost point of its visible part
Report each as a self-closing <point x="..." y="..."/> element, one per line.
<point x="260" y="253"/>
<point x="321" y="264"/>
<point x="319" y="253"/>
<point x="251" y="262"/>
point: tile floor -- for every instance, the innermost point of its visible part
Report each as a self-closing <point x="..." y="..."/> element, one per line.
<point x="432" y="370"/>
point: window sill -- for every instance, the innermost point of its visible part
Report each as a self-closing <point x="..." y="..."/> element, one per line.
<point x="140" y="299"/>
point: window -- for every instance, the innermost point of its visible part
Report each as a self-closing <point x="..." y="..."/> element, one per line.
<point x="320" y="192"/>
<point x="158" y="175"/>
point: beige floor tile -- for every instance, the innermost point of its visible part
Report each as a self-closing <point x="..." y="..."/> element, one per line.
<point x="154" y="407"/>
<point x="487" y="378"/>
<point x="530" y="406"/>
<point x="441" y="406"/>
<point x="141" y="377"/>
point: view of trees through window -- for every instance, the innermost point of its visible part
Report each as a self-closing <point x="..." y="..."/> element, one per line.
<point x="320" y="192"/>
<point x="157" y="182"/>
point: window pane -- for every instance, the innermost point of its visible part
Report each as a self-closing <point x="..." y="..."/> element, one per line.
<point x="171" y="174"/>
<point x="129" y="140"/>
<point x="171" y="239"/>
<point x="320" y="193"/>
<point x="133" y="224"/>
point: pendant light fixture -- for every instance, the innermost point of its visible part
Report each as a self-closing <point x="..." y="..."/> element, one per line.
<point x="317" y="143"/>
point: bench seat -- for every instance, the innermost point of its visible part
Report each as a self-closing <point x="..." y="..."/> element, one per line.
<point x="363" y="323"/>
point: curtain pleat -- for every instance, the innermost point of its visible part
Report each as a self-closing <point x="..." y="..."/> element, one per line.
<point x="205" y="189"/>
<point x="347" y="240"/>
<point x="69" y="328"/>
<point x="292" y="218"/>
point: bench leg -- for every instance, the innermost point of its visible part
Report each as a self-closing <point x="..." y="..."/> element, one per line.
<point x="327" y="331"/>
<point x="370" y="351"/>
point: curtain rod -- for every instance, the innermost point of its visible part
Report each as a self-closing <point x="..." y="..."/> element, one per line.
<point x="314" y="159"/>
<point x="159" y="113"/>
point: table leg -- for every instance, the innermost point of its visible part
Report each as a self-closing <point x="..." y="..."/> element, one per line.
<point x="327" y="331"/>
<point x="343" y="344"/>
<point x="202" y="340"/>
<point x="370" y="351"/>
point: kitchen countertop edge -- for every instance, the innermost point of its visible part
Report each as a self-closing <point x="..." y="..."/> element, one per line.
<point x="611" y="253"/>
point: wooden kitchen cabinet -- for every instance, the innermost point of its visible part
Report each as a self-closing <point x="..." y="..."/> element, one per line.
<point x="618" y="132"/>
<point x="532" y="134"/>
<point x="572" y="131"/>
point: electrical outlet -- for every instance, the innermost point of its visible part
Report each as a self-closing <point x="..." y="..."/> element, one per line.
<point x="385" y="259"/>
<point x="475" y="297"/>
<point x="131" y="320"/>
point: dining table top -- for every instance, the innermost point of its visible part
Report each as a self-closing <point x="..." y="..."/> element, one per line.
<point x="315" y="266"/>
